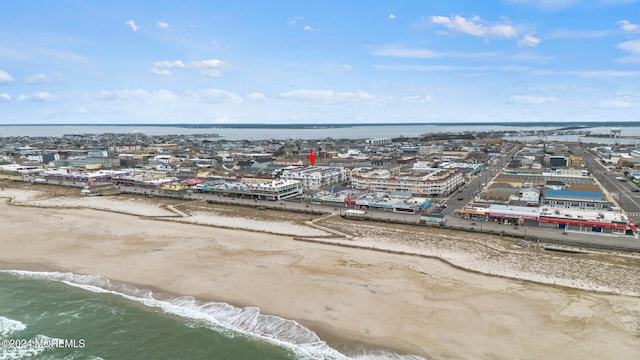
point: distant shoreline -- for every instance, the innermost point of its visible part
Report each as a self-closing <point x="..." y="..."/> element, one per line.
<point x="345" y="125"/>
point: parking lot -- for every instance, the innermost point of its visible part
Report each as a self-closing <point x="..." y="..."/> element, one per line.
<point x="536" y="180"/>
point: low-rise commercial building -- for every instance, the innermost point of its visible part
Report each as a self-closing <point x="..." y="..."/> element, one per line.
<point x="436" y="183"/>
<point x="273" y="190"/>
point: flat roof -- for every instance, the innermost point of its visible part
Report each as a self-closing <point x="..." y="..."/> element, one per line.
<point x="568" y="194"/>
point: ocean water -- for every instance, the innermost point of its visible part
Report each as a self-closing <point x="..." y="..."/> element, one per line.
<point x="357" y="131"/>
<point x="51" y="315"/>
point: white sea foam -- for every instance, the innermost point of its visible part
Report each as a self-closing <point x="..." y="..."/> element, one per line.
<point x="221" y="317"/>
<point x="9" y="327"/>
<point x="26" y="350"/>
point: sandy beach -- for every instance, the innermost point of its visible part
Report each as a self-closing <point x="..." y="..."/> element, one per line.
<point x="411" y="304"/>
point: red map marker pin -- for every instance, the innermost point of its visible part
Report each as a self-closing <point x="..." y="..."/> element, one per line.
<point x="312" y="157"/>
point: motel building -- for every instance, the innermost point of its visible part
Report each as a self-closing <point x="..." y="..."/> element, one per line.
<point x="272" y="190"/>
<point x="439" y="182"/>
<point x="316" y="177"/>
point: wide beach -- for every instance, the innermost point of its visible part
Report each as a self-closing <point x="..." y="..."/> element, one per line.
<point x="406" y="303"/>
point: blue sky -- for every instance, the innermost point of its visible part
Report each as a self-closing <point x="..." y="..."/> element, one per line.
<point x="290" y="61"/>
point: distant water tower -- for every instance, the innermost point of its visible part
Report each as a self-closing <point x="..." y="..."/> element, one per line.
<point x="615" y="135"/>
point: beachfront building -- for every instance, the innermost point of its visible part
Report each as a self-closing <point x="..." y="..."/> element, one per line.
<point x="317" y="177"/>
<point x="400" y="202"/>
<point x="569" y="199"/>
<point x="20" y="169"/>
<point x="146" y="179"/>
<point x="272" y="190"/>
<point x="438" y="182"/>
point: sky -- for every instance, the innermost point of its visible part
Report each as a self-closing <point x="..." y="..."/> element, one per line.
<point x="324" y="61"/>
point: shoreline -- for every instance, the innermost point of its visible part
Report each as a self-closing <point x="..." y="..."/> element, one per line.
<point x="406" y="303"/>
<point x="345" y="342"/>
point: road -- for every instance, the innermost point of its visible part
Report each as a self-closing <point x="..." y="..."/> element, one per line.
<point x="622" y="192"/>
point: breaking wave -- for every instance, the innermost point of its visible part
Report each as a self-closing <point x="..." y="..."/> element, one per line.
<point x="219" y="316"/>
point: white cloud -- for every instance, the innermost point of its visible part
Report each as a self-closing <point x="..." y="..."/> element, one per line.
<point x="299" y="19"/>
<point x="392" y="16"/>
<point x="161" y="72"/>
<point x="211" y="73"/>
<point x="256" y="97"/>
<point x="5" y="97"/>
<point x="137" y="94"/>
<point x="169" y="64"/>
<point x="418" y="67"/>
<point x="402" y="52"/>
<point x="37" y="97"/>
<point x="520" y="99"/>
<point x="548" y="5"/>
<point x="28" y="52"/>
<point x="632" y="46"/>
<point x="210" y="67"/>
<point x="211" y="63"/>
<point x="419" y="99"/>
<point x="629" y="27"/>
<point x="579" y="34"/>
<point x="37" y="79"/>
<point x="529" y="40"/>
<point x="346" y="67"/>
<point x="294" y="20"/>
<point x="475" y="27"/>
<point x="5" y="78"/>
<point x="216" y="96"/>
<point x="615" y="104"/>
<point x="394" y="51"/>
<point x="326" y="96"/>
<point x="162" y="25"/>
<point x="132" y="25"/>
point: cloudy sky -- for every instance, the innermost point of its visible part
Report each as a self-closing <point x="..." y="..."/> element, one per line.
<point x="324" y="61"/>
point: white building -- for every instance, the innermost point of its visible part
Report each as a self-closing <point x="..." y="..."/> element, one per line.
<point x="422" y="166"/>
<point x="125" y="147"/>
<point x="437" y="183"/>
<point x="314" y="178"/>
<point x="379" y="141"/>
<point x="530" y="195"/>
<point x="272" y="190"/>
<point x="42" y="157"/>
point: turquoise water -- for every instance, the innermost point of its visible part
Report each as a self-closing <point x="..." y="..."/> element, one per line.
<point x="96" y="319"/>
<point x="108" y="326"/>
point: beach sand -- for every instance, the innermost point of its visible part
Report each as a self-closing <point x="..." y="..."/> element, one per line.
<point x="410" y="304"/>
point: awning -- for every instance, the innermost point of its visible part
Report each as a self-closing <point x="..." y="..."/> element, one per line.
<point x="597" y="224"/>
